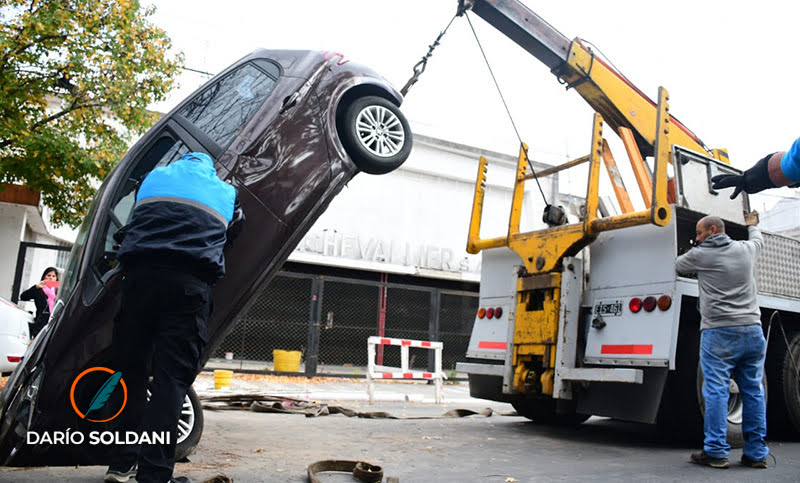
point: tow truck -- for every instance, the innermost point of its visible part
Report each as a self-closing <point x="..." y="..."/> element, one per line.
<point x="590" y="317"/>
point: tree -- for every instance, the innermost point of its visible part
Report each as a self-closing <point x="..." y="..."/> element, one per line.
<point x="76" y="77"/>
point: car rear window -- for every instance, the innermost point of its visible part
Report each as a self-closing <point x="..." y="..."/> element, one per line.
<point x="224" y="108"/>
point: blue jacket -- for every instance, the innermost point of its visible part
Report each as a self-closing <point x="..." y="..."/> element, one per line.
<point x="181" y="215"/>
<point x="790" y="163"/>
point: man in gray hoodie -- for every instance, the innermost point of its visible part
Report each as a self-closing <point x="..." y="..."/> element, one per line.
<point x="732" y="342"/>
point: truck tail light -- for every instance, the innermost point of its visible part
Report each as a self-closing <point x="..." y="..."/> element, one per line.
<point x="14" y="358"/>
<point x="649" y="304"/>
<point x="664" y="302"/>
<point x="489" y="313"/>
<point x="481" y="313"/>
<point x="635" y="305"/>
<point x="498" y="312"/>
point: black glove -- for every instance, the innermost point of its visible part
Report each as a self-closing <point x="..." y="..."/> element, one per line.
<point x="119" y="236"/>
<point x="237" y="223"/>
<point x="751" y="181"/>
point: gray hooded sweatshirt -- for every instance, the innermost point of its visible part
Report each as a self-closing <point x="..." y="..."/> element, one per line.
<point x="725" y="271"/>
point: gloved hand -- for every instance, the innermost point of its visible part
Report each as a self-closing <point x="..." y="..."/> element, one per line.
<point x="751" y="181"/>
<point x="237" y="223"/>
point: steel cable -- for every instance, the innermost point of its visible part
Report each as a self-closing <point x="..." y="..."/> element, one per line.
<point x="508" y="111"/>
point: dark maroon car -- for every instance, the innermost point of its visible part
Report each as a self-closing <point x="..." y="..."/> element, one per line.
<point x="289" y="129"/>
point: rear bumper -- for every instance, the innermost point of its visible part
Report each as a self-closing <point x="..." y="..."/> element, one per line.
<point x="10" y="346"/>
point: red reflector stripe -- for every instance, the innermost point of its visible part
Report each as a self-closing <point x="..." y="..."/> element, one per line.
<point x="491" y="345"/>
<point x="386" y="341"/>
<point x="387" y="375"/>
<point x="426" y="344"/>
<point x="405" y="342"/>
<point x="427" y="375"/>
<point x="627" y="349"/>
<point x="408" y="375"/>
<point x="14" y="358"/>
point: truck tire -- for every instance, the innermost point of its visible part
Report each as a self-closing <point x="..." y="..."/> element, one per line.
<point x="543" y="411"/>
<point x="682" y="405"/>
<point x="783" y="410"/>
<point x="735" y="434"/>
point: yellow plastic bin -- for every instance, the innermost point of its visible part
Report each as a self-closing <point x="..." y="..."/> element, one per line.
<point x="222" y="379"/>
<point x="286" y="361"/>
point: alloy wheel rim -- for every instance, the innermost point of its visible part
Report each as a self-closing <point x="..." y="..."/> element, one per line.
<point x="380" y="131"/>
<point x="186" y="421"/>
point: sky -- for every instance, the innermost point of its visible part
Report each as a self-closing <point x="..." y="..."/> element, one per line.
<point x="729" y="66"/>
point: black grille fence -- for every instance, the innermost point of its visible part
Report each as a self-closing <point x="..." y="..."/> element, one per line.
<point x="332" y="331"/>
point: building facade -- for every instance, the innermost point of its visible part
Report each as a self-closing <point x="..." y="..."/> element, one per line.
<point x="388" y="258"/>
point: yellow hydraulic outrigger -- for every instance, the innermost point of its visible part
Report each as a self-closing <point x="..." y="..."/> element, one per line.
<point x="542" y="251"/>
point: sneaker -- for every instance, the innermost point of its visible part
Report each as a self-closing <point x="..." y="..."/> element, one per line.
<point x="119" y="476"/>
<point x="760" y="464"/>
<point x="702" y="458"/>
<point x="179" y="479"/>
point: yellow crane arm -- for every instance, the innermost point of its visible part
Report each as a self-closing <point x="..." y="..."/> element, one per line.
<point x="607" y="91"/>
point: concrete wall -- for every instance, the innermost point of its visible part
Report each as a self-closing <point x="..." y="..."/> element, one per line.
<point x="12" y="222"/>
<point x="17" y="224"/>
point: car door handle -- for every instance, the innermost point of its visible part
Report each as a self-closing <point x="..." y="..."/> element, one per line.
<point x="290" y="101"/>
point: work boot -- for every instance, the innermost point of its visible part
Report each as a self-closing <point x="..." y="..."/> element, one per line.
<point x="760" y="464"/>
<point x="119" y="475"/>
<point x="702" y="458"/>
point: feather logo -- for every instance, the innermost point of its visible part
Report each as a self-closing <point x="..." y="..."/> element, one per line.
<point x="102" y="395"/>
<point x="99" y="399"/>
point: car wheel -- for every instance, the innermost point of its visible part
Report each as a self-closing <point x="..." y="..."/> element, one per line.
<point x="376" y="135"/>
<point x="190" y="426"/>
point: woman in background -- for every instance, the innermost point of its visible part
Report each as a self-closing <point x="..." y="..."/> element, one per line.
<point x="43" y="295"/>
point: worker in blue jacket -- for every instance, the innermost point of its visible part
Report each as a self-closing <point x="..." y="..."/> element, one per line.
<point x="171" y="253"/>
<point x="772" y="171"/>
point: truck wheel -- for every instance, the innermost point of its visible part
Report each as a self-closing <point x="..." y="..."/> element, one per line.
<point x="682" y="404"/>
<point x="735" y="434"/>
<point x="190" y="426"/>
<point x="375" y="134"/>
<point x="543" y="411"/>
<point x="783" y="410"/>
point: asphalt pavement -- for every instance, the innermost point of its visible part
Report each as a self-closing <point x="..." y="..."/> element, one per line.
<point x="499" y="448"/>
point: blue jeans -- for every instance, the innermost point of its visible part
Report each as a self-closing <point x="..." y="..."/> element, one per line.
<point x="738" y="352"/>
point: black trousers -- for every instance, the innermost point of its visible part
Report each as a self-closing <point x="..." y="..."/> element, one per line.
<point x="162" y="326"/>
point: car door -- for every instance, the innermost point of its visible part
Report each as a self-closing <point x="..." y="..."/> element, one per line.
<point x="282" y="157"/>
<point x="163" y="147"/>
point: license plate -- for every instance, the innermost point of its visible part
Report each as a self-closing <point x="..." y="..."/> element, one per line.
<point x="608" y="308"/>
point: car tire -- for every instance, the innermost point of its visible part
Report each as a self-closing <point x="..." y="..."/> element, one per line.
<point x="375" y="134"/>
<point x="190" y="426"/>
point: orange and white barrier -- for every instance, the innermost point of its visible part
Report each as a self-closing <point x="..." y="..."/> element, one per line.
<point x="381" y="372"/>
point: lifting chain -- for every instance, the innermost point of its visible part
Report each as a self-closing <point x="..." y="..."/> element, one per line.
<point x="419" y="67"/>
